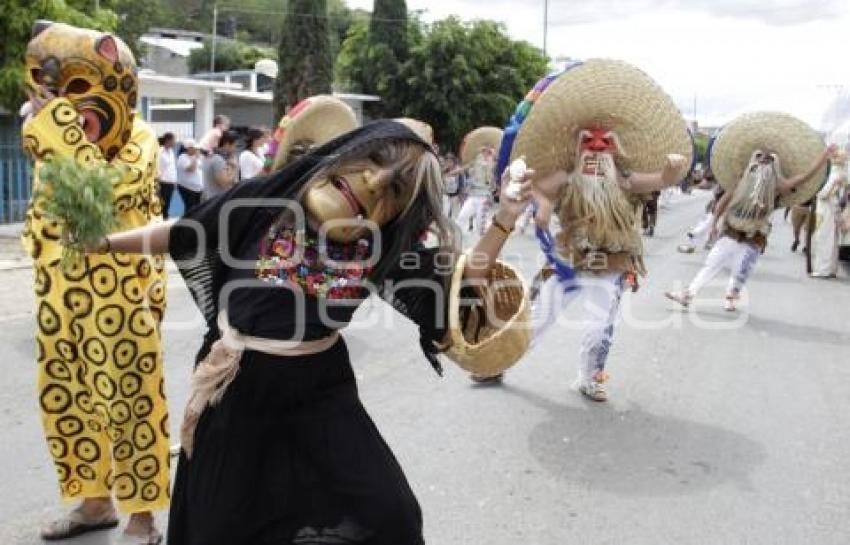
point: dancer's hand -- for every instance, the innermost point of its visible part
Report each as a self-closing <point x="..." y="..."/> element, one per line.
<point x="512" y="208"/>
<point x="831" y="151"/>
<point x="674" y="169"/>
<point x="37" y="100"/>
<point x="547" y="191"/>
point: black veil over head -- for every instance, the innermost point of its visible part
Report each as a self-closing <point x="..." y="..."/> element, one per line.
<point x="198" y="239"/>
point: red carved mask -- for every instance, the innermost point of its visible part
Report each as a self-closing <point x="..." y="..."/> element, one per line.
<point x="598" y="141"/>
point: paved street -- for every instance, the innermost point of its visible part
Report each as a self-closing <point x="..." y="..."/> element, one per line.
<point x="721" y="430"/>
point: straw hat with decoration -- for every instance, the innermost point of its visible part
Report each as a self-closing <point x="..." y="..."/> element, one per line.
<point x="605" y="94"/>
<point x="478" y="138"/>
<point x="797" y="145"/>
<point x="493" y="338"/>
<point x="313" y="121"/>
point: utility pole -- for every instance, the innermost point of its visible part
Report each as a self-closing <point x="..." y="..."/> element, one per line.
<point x="545" y="27"/>
<point x="214" y="29"/>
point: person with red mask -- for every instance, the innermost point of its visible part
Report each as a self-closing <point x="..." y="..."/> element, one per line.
<point x="585" y="137"/>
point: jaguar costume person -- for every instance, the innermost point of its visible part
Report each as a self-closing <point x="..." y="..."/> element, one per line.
<point x="99" y="357"/>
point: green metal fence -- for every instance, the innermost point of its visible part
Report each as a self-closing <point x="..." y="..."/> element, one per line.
<point x="15" y="172"/>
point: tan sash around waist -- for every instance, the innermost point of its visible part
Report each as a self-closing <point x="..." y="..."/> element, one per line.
<point x="215" y="372"/>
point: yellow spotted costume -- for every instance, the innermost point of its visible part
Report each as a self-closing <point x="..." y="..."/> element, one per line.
<point x="100" y="363"/>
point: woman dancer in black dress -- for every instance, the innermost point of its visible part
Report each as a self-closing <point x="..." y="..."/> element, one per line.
<point x="282" y="451"/>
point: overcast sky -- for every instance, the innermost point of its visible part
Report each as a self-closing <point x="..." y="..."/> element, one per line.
<point x="731" y="55"/>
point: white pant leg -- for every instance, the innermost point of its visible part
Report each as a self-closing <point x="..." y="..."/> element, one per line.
<point x="825" y="240"/>
<point x="549" y="304"/>
<point x="602" y="296"/>
<point x="745" y="261"/>
<point x="720" y="256"/>
<point x="481" y="215"/>
<point x="468" y="210"/>
<point x="699" y="234"/>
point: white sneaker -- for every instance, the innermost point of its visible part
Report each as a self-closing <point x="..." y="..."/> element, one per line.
<point x="592" y="390"/>
<point x="729" y="305"/>
<point x="682" y="297"/>
<point x="686" y="248"/>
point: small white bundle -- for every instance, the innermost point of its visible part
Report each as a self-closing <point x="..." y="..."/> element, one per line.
<point x="516" y="171"/>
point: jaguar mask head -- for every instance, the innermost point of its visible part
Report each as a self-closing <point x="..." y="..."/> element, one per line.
<point x="96" y="72"/>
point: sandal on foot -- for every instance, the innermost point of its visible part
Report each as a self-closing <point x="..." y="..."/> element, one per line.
<point x="729" y="306"/>
<point x="75" y="524"/>
<point x="681" y="297"/>
<point x="154" y="537"/>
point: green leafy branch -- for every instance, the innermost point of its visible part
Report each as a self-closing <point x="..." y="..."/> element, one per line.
<point x="80" y="199"/>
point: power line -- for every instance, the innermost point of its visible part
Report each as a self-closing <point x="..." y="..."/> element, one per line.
<point x="296" y="14"/>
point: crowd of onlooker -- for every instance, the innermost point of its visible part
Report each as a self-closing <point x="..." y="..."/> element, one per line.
<point x="201" y="170"/>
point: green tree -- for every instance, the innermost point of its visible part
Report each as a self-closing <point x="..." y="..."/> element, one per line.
<point x="229" y="55"/>
<point x="388" y="26"/>
<point x="16" y="28"/>
<point x="135" y="18"/>
<point x="464" y="75"/>
<point x="341" y="21"/>
<point x="388" y="48"/>
<point x="304" y="58"/>
<point x="701" y="145"/>
<point x="369" y="63"/>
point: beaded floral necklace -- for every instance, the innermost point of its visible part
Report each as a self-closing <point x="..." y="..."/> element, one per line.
<point x="335" y="271"/>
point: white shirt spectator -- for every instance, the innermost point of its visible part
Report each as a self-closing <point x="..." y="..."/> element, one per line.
<point x="250" y="165"/>
<point x="186" y="176"/>
<point x="167" y="166"/>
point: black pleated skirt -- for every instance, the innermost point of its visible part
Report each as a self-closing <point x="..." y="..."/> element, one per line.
<point x="289" y="456"/>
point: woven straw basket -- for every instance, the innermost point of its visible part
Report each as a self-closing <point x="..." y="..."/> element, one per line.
<point x="495" y="339"/>
<point x="797" y="145"/>
<point x="318" y="119"/>
<point x="606" y="94"/>
<point x="476" y="139"/>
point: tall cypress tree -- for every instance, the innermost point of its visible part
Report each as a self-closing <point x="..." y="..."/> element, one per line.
<point x="387" y="49"/>
<point x="304" y="55"/>
<point x="389" y="26"/>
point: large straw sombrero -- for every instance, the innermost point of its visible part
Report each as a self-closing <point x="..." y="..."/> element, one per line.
<point x="317" y="119"/>
<point x="423" y="130"/>
<point x="494" y="339"/>
<point x="796" y="144"/>
<point x="477" y="139"/>
<point x="608" y="94"/>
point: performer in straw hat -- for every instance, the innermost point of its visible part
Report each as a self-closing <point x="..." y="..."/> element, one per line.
<point x="309" y="124"/>
<point x="478" y="158"/>
<point x="764" y="160"/>
<point x="598" y="136"/>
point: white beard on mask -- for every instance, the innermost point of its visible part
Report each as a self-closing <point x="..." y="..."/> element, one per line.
<point x="754" y="199"/>
<point x="599" y="208"/>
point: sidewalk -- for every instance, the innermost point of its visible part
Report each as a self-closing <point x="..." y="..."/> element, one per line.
<point x="12" y="254"/>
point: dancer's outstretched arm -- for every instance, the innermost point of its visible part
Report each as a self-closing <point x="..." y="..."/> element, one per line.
<point x="787" y="185"/>
<point x="672" y="173"/>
